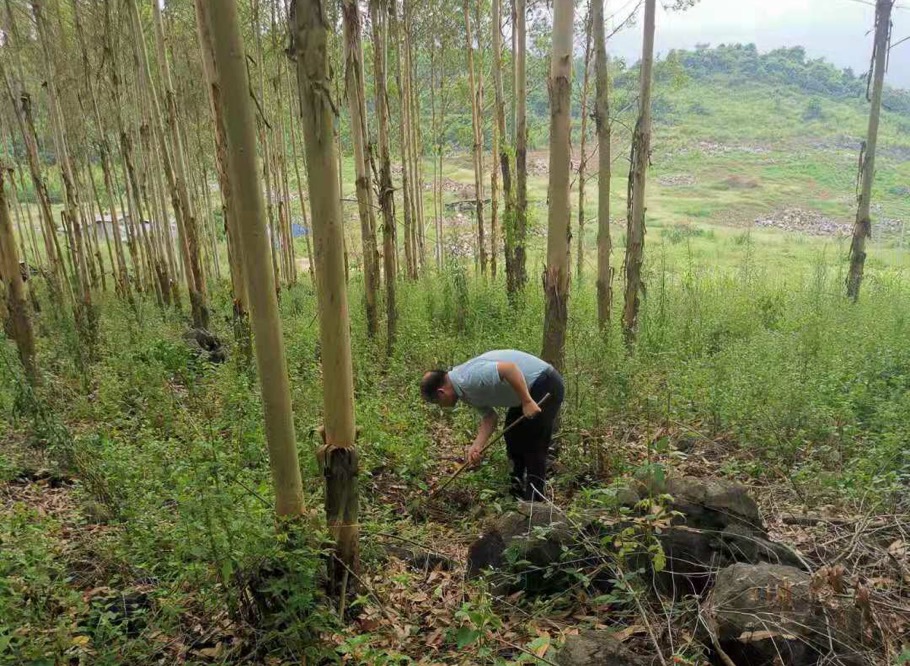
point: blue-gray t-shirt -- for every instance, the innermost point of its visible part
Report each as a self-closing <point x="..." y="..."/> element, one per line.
<point x="477" y="382"/>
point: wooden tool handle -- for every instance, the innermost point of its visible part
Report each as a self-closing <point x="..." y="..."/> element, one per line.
<point x="502" y="434"/>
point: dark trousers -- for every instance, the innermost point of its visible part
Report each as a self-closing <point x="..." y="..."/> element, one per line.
<point x="529" y="442"/>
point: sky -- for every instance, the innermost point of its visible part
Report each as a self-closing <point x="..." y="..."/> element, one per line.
<point x="837" y="30"/>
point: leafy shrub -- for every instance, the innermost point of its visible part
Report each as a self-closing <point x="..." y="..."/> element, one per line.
<point x="813" y="111"/>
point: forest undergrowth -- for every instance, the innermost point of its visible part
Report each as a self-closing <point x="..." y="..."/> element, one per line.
<point x="136" y="521"/>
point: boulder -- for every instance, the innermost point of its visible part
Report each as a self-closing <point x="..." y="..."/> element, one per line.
<point x="597" y="648"/>
<point x="766" y="614"/>
<point x="527" y="543"/>
<point x="206" y="345"/>
<point x="419" y="559"/>
<point x="704" y="503"/>
<point x="718" y="524"/>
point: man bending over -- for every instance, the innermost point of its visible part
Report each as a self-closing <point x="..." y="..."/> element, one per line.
<point x="514" y="380"/>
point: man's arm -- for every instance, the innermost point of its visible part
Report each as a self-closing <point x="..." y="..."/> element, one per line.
<point x="510" y="373"/>
<point x="484" y="432"/>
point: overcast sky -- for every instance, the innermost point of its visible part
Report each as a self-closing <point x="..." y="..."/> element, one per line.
<point x="838" y="30"/>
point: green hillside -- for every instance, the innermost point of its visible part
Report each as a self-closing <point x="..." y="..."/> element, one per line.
<point x="741" y="136"/>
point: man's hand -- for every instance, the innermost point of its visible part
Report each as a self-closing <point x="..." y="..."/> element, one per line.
<point x="530" y="409"/>
<point x="475" y="453"/>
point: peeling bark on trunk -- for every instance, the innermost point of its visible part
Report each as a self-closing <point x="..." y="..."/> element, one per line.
<point x="602" y="123"/>
<point x="638" y="171"/>
<point x="356" y="98"/>
<point x="862" y="229"/>
<point x="309" y="36"/>
<point x="233" y="90"/>
<point x="556" y="273"/>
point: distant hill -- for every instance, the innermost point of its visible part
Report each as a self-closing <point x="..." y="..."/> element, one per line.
<point x="783" y="74"/>
<point x="787" y="66"/>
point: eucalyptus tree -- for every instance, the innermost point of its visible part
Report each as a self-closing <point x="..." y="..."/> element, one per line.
<point x="557" y="271"/>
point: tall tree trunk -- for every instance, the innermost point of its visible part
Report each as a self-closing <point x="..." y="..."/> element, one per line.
<point x="441" y="140"/>
<point x="180" y="184"/>
<point x="229" y="212"/>
<point x="24" y="237"/>
<point x="338" y="455"/>
<point x="22" y="106"/>
<point x="557" y="271"/>
<point x="19" y="323"/>
<point x="378" y="15"/>
<point x="356" y="98"/>
<point x="91" y="234"/>
<point x="437" y="198"/>
<point x="862" y="229"/>
<point x="104" y="148"/>
<point x="416" y="141"/>
<point x="232" y="85"/>
<point x="602" y="123"/>
<point x="477" y="146"/>
<point x="280" y="156"/>
<point x="85" y="316"/>
<point x="147" y="228"/>
<point x="27" y="216"/>
<point x="403" y="136"/>
<point x="300" y="195"/>
<point x="638" y="171"/>
<point x="28" y="212"/>
<point x="494" y="203"/>
<point x="104" y="231"/>
<point x="274" y="241"/>
<point x="521" y="147"/>
<point x="501" y="151"/>
<point x="582" y="157"/>
<point x="175" y="166"/>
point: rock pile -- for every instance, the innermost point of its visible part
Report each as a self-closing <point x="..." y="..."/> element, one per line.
<point x="716" y="523"/>
<point x="805" y="221"/>
<point x="676" y="180"/>
<point x="759" y="598"/>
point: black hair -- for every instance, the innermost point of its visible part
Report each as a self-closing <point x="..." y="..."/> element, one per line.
<point x="431" y="383"/>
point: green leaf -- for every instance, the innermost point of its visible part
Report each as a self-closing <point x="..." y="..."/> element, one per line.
<point x="227" y="569"/>
<point x="465" y="636"/>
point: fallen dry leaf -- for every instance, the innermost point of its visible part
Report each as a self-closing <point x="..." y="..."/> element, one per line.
<point x="628" y="632"/>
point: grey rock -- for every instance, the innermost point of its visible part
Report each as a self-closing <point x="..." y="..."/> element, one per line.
<point x="767" y="614"/>
<point x="597" y="648"/>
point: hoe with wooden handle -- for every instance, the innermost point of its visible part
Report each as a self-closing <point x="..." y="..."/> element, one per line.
<point x="502" y="434"/>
